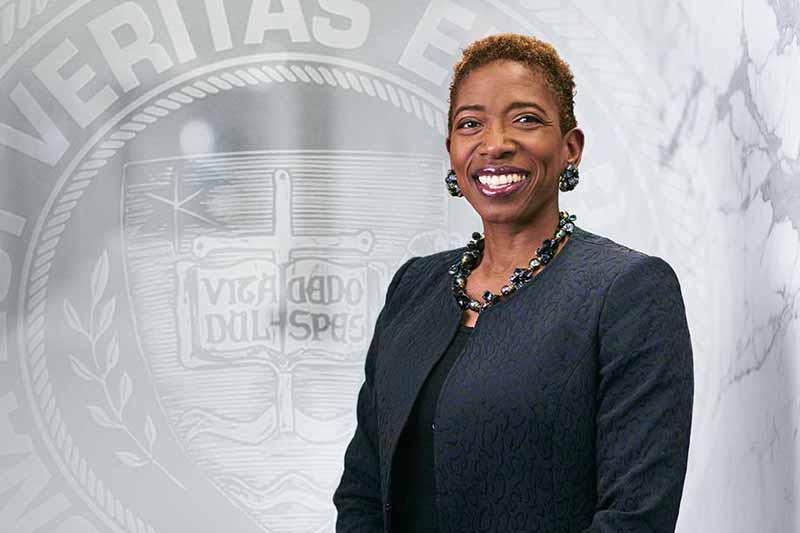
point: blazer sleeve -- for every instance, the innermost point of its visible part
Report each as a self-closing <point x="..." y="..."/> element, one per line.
<point x="644" y="401"/>
<point x="358" y="496"/>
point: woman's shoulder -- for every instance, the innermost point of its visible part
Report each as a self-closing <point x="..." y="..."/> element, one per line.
<point x="603" y="247"/>
<point x="601" y="257"/>
<point x="438" y="261"/>
<point x="420" y="270"/>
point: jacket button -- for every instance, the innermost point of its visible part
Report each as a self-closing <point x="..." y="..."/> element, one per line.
<point x="387" y="506"/>
<point x="433" y="426"/>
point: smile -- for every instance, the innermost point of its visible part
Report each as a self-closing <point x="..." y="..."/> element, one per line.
<point x="494" y="185"/>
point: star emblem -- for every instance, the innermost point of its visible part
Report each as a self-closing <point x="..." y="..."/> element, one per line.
<point x="169" y="213"/>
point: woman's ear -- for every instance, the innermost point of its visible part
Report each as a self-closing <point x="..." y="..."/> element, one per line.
<point x="447" y="144"/>
<point x="573" y="145"/>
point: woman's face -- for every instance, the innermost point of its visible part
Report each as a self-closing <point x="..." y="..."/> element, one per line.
<point x="506" y="145"/>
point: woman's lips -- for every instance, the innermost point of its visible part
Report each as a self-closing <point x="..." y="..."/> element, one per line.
<point x="503" y="190"/>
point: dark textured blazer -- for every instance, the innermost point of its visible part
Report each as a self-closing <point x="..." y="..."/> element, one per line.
<point x="569" y="409"/>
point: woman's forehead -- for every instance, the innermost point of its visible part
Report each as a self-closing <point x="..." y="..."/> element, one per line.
<point x="503" y="80"/>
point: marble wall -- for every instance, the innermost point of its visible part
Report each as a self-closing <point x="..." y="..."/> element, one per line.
<point x="729" y="127"/>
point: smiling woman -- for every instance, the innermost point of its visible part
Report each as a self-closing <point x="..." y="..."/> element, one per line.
<point x="539" y="378"/>
<point x="507" y="149"/>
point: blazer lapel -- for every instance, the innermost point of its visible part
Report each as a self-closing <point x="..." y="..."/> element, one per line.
<point x="409" y="352"/>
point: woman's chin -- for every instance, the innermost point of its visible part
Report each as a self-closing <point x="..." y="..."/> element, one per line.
<point x="507" y="215"/>
<point x="508" y="207"/>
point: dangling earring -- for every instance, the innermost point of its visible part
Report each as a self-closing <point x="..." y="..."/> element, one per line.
<point x="569" y="178"/>
<point x="452" y="184"/>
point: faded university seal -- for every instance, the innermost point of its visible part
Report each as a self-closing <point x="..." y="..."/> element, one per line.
<point x="226" y="189"/>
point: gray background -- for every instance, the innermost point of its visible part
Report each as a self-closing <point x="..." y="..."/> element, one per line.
<point x="201" y="205"/>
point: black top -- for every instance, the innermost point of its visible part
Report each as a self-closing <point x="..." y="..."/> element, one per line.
<point x="569" y="409"/>
<point x="413" y="487"/>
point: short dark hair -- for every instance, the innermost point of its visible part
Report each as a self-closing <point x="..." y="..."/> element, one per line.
<point x="538" y="55"/>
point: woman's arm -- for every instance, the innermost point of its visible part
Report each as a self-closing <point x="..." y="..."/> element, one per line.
<point x="644" y="401"/>
<point x="358" y="497"/>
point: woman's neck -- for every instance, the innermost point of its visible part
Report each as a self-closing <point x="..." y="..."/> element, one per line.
<point x="507" y="248"/>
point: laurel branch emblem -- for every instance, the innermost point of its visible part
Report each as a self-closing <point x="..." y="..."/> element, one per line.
<point x="102" y="372"/>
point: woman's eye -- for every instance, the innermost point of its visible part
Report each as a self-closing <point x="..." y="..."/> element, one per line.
<point x="530" y="119"/>
<point x="461" y="125"/>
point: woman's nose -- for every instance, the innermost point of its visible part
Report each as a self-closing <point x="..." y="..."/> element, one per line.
<point x="496" y="143"/>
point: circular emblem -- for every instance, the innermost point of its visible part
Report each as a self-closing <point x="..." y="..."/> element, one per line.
<point x="230" y="191"/>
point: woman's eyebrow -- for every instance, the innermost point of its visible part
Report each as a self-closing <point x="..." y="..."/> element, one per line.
<point x="469" y="107"/>
<point x="512" y="105"/>
<point x="517" y="105"/>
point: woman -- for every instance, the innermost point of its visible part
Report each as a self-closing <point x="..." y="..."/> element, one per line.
<point x="539" y="379"/>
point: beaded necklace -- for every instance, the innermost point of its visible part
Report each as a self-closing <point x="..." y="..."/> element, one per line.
<point x="474" y="253"/>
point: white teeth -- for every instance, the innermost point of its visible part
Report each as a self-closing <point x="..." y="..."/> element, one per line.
<point x="501" y="180"/>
